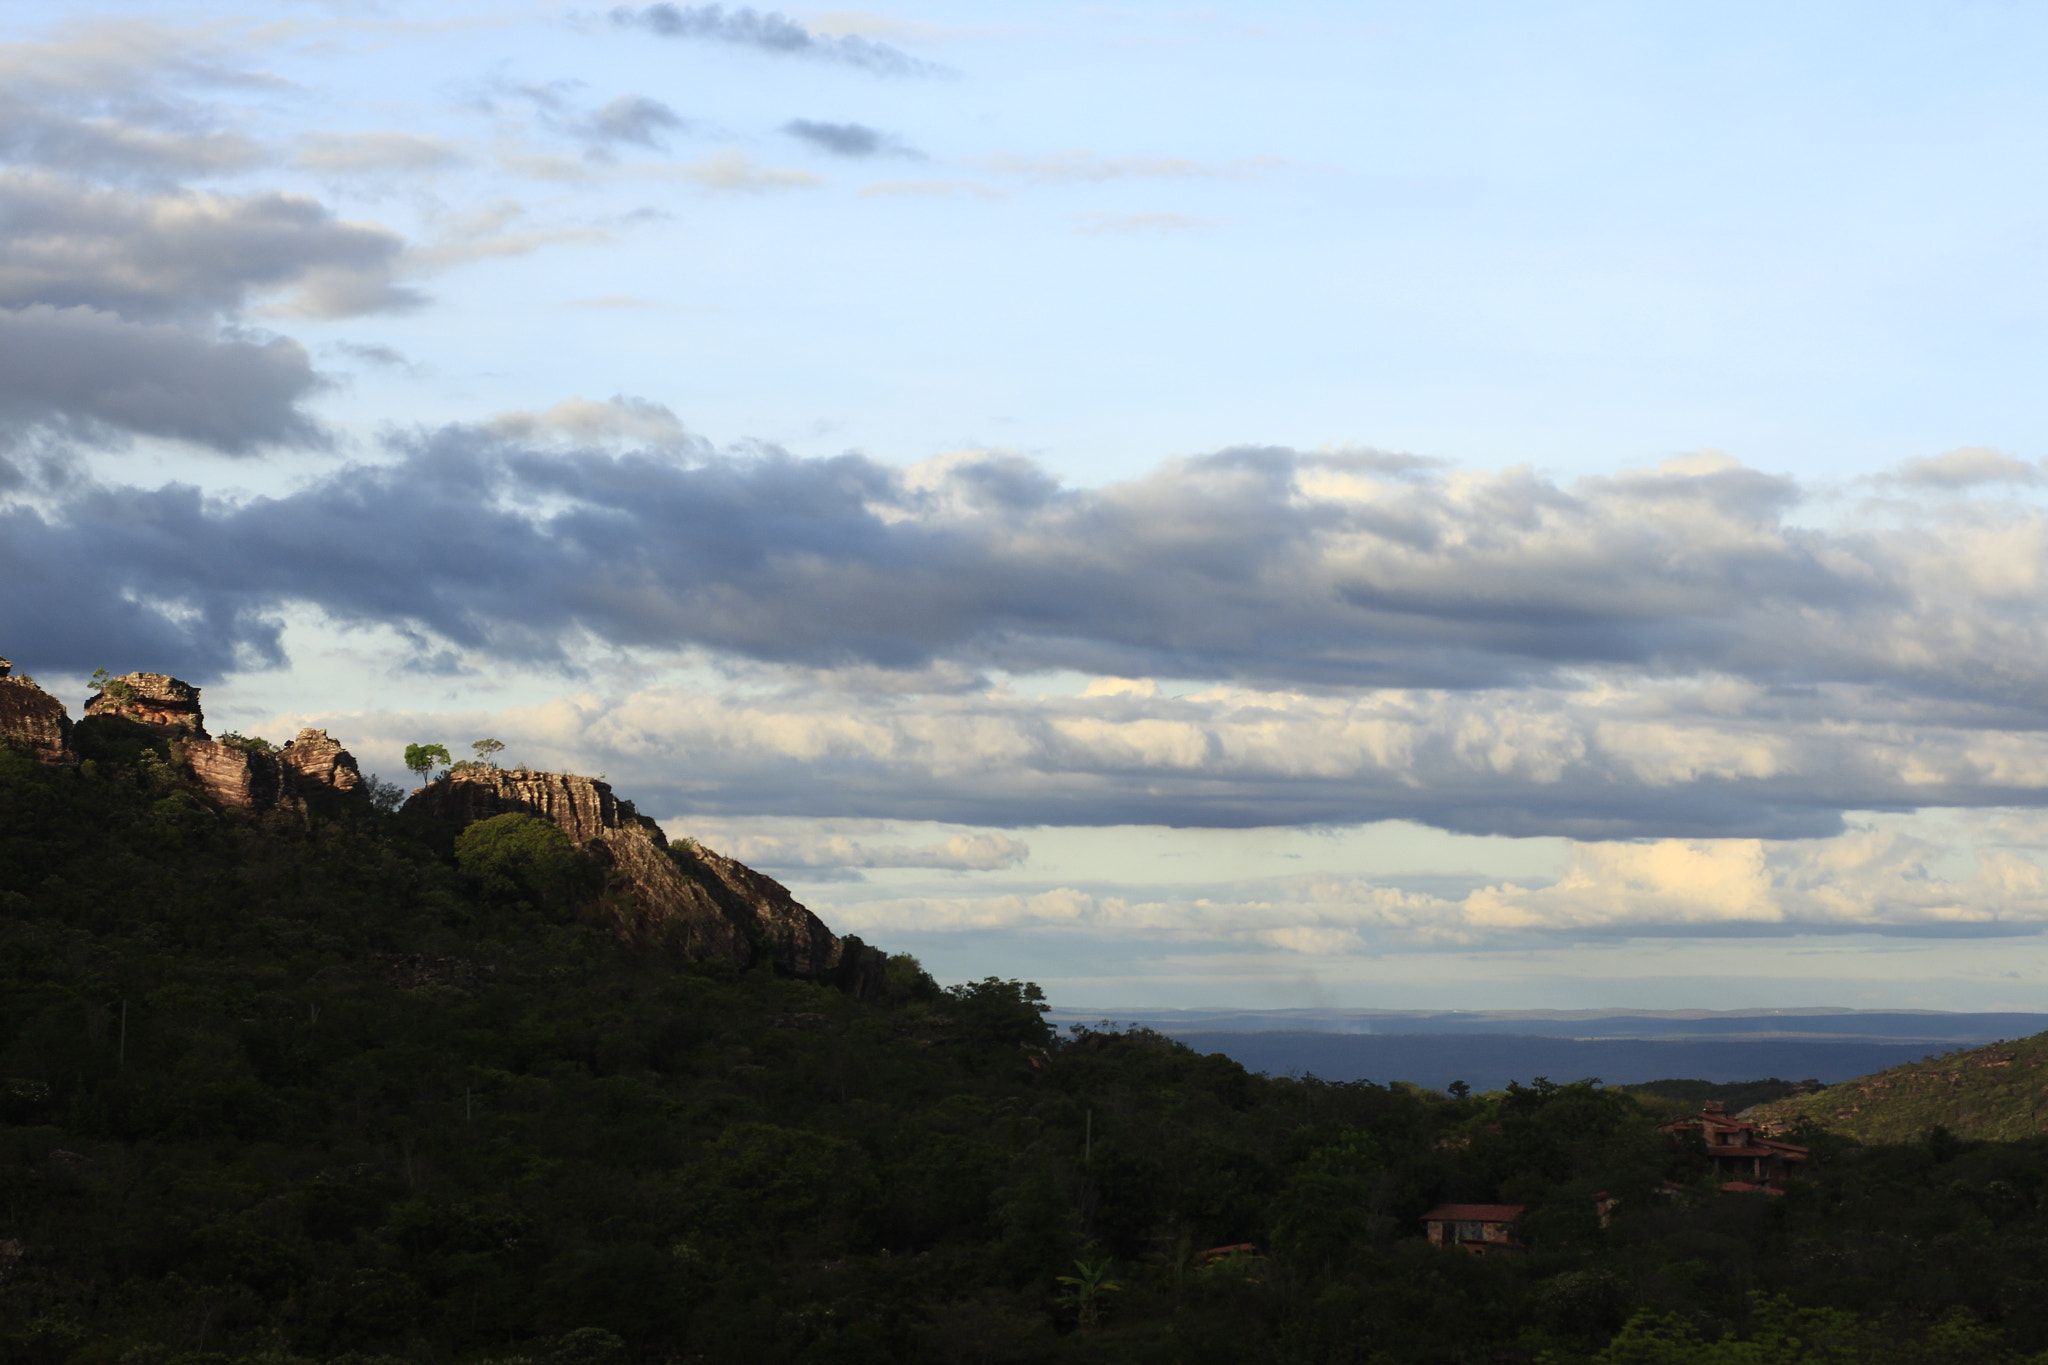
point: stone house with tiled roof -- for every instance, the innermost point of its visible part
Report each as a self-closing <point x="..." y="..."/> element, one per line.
<point x="1482" y="1229"/>
<point x="1743" y="1158"/>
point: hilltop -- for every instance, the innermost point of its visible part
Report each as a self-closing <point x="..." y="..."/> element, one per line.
<point x="1998" y="1093"/>
<point x="291" y="1073"/>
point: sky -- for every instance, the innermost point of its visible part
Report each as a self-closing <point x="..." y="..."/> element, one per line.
<point x="1366" y="505"/>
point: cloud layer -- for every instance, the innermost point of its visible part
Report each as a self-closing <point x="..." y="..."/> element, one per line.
<point x="773" y="33"/>
<point x="124" y="293"/>
<point x="1875" y="878"/>
<point x="1359" y="637"/>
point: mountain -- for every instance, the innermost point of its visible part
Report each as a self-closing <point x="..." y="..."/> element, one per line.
<point x="1998" y="1092"/>
<point x="290" y="1075"/>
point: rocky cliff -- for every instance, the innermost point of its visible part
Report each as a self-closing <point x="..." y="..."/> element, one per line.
<point x="235" y="775"/>
<point x="708" y="906"/>
<point x="154" y="699"/>
<point x="33" y="720"/>
<point x="711" y="906"/>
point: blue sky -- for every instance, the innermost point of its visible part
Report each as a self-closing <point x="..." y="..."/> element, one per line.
<point x="1372" y="504"/>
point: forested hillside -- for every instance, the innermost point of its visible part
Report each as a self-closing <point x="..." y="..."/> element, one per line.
<point x="1997" y="1092"/>
<point x="350" y="1085"/>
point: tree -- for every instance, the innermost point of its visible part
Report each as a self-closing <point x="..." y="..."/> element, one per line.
<point x="424" y="758"/>
<point x="109" y="685"/>
<point x="487" y="751"/>
<point x="1084" y="1292"/>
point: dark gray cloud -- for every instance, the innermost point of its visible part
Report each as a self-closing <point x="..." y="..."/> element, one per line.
<point x="369" y="353"/>
<point x="188" y="256"/>
<point x="118" y="309"/>
<point x="633" y="119"/>
<point x="1664" y="652"/>
<point x="772" y="33"/>
<point x="1261" y="565"/>
<point x="101" y="375"/>
<point x="144" y="151"/>
<point x="846" y="139"/>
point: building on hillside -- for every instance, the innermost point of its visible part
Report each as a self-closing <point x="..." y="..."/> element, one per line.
<point x="1482" y="1229"/>
<point x="1744" y="1159"/>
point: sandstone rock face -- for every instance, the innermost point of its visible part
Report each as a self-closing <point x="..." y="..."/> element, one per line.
<point x="711" y="906"/>
<point x="32" y="719"/>
<point x="240" y="779"/>
<point x="152" y="699"/>
<point x="233" y="777"/>
<point x="313" y="758"/>
<point x="801" y="944"/>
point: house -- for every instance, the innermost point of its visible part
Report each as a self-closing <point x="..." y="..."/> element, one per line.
<point x="1482" y="1229"/>
<point x="1744" y="1159"/>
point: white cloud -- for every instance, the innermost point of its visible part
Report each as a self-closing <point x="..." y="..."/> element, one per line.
<point x="1966" y="467"/>
<point x="582" y="420"/>
<point x="1874" y="878"/>
<point x="379" y="152"/>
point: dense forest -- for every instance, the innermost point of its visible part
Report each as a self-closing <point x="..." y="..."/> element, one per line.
<point x="364" y="1088"/>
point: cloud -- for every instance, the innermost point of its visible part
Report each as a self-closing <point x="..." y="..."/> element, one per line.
<point x="1616" y="762"/>
<point x="101" y="375"/>
<point x="847" y="139"/>
<point x="382" y="152"/>
<point x="1660" y="653"/>
<point x="582" y="421"/>
<point x="108" y="98"/>
<point x="819" y="854"/>
<point x="122" y="309"/>
<point x="732" y="170"/>
<point x="383" y="357"/>
<point x="1339" y="570"/>
<point x="772" y="33"/>
<point x="490" y="231"/>
<point x="1966" y="467"/>
<point x="634" y="119"/>
<point x="189" y="256"/>
<point x="1868" y="880"/>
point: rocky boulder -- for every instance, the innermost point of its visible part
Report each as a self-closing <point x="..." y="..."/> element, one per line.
<point x="314" y="760"/>
<point x="32" y="719"/>
<point x="711" y="907"/>
<point x="235" y="775"/>
<point x="154" y="699"/>
<point x="236" y="778"/>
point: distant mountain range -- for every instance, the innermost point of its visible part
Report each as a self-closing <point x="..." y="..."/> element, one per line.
<point x="1488" y="1048"/>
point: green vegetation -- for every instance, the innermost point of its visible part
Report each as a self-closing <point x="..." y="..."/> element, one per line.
<point x="110" y="685"/>
<point x="1988" y="1092"/>
<point x="422" y="759"/>
<point x="1686" y="1096"/>
<point x="254" y="744"/>
<point x="368" y="1089"/>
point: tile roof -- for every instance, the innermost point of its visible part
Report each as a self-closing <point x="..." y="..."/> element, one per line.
<point x="1474" y="1213"/>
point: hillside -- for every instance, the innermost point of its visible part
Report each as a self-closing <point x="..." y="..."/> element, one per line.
<point x="1998" y="1092"/>
<point x="289" y="1075"/>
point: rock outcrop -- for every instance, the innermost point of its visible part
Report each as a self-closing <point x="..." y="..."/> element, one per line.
<point x="316" y="761"/>
<point x="679" y="896"/>
<point x="239" y="779"/>
<point x="32" y="719"/>
<point x="234" y="775"/>
<point x="154" y="699"/>
<point x="710" y="906"/>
